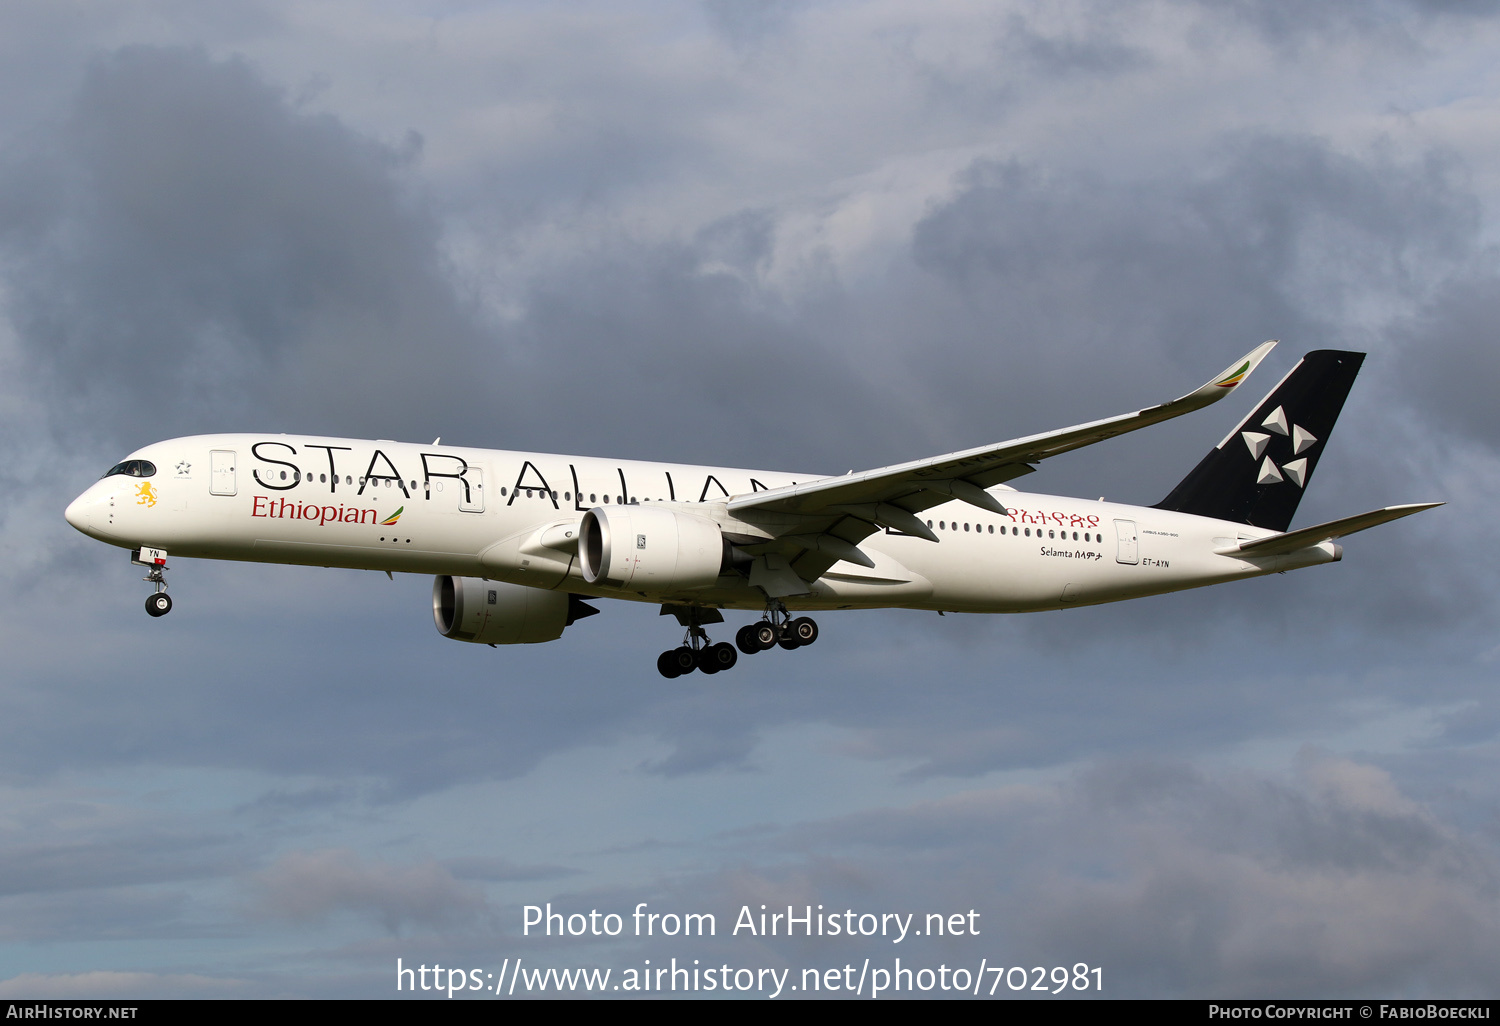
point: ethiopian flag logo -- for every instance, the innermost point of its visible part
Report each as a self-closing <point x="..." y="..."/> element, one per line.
<point x="390" y="520"/>
<point x="1234" y="377"/>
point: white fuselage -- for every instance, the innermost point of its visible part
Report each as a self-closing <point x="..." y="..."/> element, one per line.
<point x="436" y="509"/>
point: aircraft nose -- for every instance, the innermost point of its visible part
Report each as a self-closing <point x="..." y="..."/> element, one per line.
<point x="80" y="512"/>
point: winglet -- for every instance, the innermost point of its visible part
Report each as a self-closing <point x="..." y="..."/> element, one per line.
<point x="1232" y="376"/>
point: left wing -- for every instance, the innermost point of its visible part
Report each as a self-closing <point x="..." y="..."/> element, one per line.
<point x="821" y="522"/>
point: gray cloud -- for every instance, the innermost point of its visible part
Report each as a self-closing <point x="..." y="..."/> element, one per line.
<point x="1178" y="882"/>
<point x="311" y="886"/>
<point x="1451" y="359"/>
<point x="187" y="247"/>
<point x="1274" y="239"/>
<point x="114" y="985"/>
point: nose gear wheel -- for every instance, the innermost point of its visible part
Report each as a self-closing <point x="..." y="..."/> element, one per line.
<point x="159" y="603"/>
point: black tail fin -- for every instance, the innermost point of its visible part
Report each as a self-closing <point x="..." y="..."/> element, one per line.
<point x="1257" y="474"/>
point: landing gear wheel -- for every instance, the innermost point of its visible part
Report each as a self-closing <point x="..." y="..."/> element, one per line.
<point x="159" y="604"/>
<point x="765" y="634"/>
<point x="685" y="659"/>
<point x="804" y="629"/>
<point x="666" y="665"/>
<point x="721" y="657"/>
<point x="746" y="640"/>
<point x="789" y="639"/>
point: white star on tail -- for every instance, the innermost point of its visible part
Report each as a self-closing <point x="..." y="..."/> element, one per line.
<point x="1302" y="440"/>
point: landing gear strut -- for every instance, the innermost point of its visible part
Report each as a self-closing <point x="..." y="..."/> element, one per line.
<point x="155" y="560"/>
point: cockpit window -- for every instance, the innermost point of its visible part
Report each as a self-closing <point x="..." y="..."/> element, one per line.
<point x="133" y="468"/>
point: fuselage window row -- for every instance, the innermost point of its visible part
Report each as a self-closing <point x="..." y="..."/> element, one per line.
<point x="944" y="525"/>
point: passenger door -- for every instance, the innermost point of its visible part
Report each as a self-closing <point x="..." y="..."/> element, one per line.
<point x="221" y="472"/>
<point x="1128" y="550"/>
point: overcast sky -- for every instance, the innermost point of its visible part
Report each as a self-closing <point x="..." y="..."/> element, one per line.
<point x="809" y="236"/>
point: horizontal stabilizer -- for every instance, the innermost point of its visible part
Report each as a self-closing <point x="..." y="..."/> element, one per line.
<point x="1281" y="544"/>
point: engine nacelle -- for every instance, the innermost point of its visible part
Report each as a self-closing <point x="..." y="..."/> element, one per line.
<point x="496" y="613"/>
<point x="649" y="548"/>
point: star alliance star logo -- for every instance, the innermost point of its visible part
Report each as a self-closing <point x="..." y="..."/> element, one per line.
<point x="183" y="467"/>
<point x="1301" y="440"/>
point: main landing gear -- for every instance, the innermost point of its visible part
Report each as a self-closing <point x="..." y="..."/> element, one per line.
<point x="155" y="561"/>
<point x="778" y="628"/>
<point x="697" y="653"/>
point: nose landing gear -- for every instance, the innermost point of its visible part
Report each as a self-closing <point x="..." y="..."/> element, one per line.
<point x="155" y="560"/>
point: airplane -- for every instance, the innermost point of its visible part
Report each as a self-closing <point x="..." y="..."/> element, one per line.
<point x="517" y="541"/>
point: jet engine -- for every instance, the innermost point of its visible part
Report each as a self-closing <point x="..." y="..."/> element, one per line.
<point x="496" y="613"/>
<point x="650" y="549"/>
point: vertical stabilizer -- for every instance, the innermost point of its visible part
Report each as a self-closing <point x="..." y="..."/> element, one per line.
<point x="1257" y="474"/>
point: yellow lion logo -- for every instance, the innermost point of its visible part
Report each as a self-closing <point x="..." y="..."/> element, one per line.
<point x="145" y="494"/>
